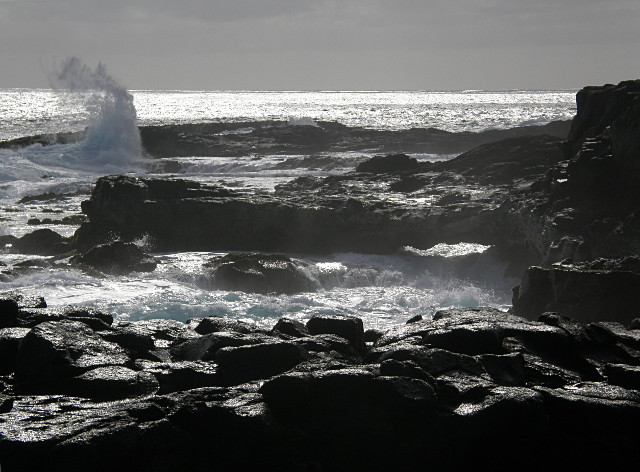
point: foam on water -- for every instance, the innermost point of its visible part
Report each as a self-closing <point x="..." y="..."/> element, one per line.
<point x="384" y="291"/>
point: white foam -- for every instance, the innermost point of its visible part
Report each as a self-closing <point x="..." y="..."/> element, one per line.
<point x="302" y="121"/>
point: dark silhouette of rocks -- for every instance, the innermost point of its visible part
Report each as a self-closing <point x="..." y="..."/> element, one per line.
<point x="389" y="163"/>
<point x="558" y="385"/>
<point x="257" y="273"/>
<point x="116" y="258"/>
<point x="222" y="139"/>
<point x="159" y="395"/>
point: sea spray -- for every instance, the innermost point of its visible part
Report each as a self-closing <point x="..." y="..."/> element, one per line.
<point x="112" y="140"/>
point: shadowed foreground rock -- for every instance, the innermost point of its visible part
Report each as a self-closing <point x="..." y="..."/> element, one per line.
<point x="162" y="395"/>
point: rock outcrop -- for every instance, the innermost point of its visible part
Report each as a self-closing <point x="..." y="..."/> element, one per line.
<point x="257" y="273"/>
<point x="161" y="395"/>
<point x="361" y="212"/>
<point x="116" y="258"/>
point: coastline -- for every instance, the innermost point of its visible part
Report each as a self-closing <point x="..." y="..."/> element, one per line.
<point x="329" y="395"/>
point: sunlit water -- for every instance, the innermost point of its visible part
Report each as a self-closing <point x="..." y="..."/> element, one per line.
<point x="383" y="290"/>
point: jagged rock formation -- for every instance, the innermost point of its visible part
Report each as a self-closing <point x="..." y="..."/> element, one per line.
<point x="86" y="392"/>
<point x="375" y="213"/>
<point x="586" y="208"/>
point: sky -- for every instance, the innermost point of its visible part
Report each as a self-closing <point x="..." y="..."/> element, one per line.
<point x="325" y="44"/>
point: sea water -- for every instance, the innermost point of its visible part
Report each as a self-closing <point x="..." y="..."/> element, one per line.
<point x="382" y="290"/>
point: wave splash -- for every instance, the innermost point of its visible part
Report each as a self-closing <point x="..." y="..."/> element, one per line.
<point x="112" y="140"/>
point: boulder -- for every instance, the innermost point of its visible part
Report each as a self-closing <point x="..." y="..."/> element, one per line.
<point x="8" y="313"/>
<point x="205" y="347"/>
<point x="289" y="327"/>
<point x="258" y="273"/>
<point x="53" y="351"/>
<point x="95" y="319"/>
<point x="116" y="258"/>
<point x="387" y="164"/>
<point x="111" y="383"/>
<point x="44" y="242"/>
<point x="259" y="361"/>
<point x="583" y="294"/>
<point x="181" y="375"/>
<point x="347" y="327"/>
<point x="10" y="339"/>
<point x="213" y="324"/>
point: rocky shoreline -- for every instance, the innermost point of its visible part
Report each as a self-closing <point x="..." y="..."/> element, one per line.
<point x="81" y="391"/>
<point x="557" y="381"/>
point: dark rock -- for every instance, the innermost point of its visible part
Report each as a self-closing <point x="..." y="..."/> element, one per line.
<point x="414" y="319"/>
<point x="163" y="332"/>
<point x="387" y="164"/>
<point x="25" y="301"/>
<point x="111" y="383"/>
<point x="8" y="313"/>
<point x="44" y="242"/>
<point x="586" y="295"/>
<point x="182" y="375"/>
<point x="205" y="347"/>
<point x="372" y="335"/>
<point x="56" y="350"/>
<point x="408" y="368"/>
<point x="10" y="339"/>
<point x="269" y="137"/>
<point x="117" y="258"/>
<point x="290" y="327"/>
<point x="95" y="319"/>
<point x="258" y="273"/>
<point x="336" y="347"/>
<point x="259" y="361"/>
<point x="131" y="339"/>
<point x="6" y="403"/>
<point x="507" y="369"/>
<point x="213" y="324"/>
<point x="347" y="327"/>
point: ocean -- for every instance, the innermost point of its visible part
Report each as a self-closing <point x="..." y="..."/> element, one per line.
<point x="383" y="290"/>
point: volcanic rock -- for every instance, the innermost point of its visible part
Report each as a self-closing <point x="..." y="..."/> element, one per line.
<point x="116" y="258"/>
<point x="258" y="273"/>
<point x="44" y="242"/>
<point x="53" y="351"/>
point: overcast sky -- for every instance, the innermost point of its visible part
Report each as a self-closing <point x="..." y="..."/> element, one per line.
<point x="326" y="44"/>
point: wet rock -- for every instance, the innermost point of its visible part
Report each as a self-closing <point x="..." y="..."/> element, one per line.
<point x="259" y="361"/>
<point x="111" y="383"/>
<point x="583" y="294"/>
<point x="8" y="313"/>
<point x="95" y="319"/>
<point x="347" y="327"/>
<point x="258" y="273"/>
<point x="57" y="350"/>
<point x="10" y="339"/>
<point x="213" y="324"/>
<point x="182" y="375"/>
<point x="116" y="258"/>
<point x="205" y="347"/>
<point x="506" y="369"/>
<point x="24" y="301"/>
<point x="44" y="242"/>
<point x="372" y="335"/>
<point x="290" y="327"/>
<point x="163" y="332"/>
<point x="387" y="164"/>
<point x="6" y="403"/>
<point x="623" y="375"/>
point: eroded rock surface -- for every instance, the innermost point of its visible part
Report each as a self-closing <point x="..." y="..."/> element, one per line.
<point x="160" y="395"/>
